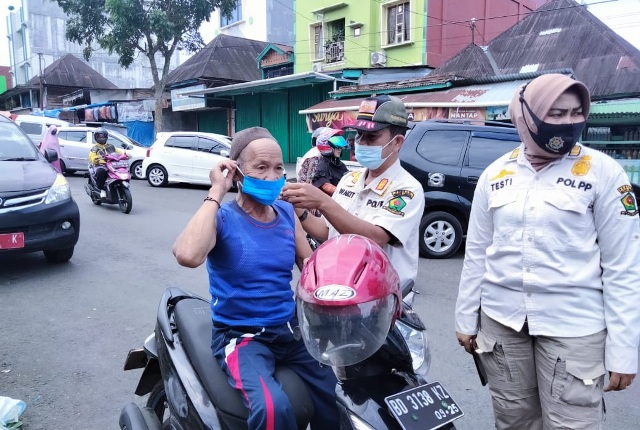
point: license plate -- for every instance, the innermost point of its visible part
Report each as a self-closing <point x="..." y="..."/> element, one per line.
<point x="120" y="164"/>
<point x="12" y="240"/>
<point x="425" y="407"/>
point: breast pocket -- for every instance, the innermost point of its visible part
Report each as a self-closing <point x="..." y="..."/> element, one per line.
<point x="504" y="209"/>
<point x="567" y="219"/>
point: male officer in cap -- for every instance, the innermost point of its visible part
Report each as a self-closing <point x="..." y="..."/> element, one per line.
<point x="382" y="201"/>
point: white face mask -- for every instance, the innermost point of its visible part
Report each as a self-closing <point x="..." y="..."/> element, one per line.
<point x="371" y="156"/>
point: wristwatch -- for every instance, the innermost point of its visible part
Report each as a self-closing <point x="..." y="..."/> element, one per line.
<point x="304" y="215"/>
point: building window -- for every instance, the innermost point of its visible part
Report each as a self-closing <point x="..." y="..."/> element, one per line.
<point x="398" y="23"/>
<point x="236" y="15"/>
<point x="274" y="72"/>
<point x="317" y="35"/>
<point x="334" y="47"/>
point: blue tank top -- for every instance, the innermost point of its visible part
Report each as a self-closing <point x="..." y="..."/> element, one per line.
<point x="250" y="267"/>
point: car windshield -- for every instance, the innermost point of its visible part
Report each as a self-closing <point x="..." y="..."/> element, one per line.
<point x="14" y="144"/>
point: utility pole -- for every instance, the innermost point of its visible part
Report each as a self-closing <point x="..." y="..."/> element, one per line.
<point x="42" y="98"/>
<point x="473" y="30"/>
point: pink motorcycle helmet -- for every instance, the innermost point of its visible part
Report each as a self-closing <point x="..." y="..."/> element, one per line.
<point x="348" y="298"/>
<point x="329" y="139"/>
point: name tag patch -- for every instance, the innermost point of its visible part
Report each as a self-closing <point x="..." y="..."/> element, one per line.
<point x="572" y="183"/>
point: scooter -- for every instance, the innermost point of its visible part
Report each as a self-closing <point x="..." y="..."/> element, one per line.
<point x="188" y="389"/>
<point x="117" y="184"/>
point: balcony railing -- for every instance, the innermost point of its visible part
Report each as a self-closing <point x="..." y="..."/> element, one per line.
<point x="334" y="52"/>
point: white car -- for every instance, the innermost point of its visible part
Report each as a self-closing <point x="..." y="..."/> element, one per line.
<point x="184" y="156"/>
<point x="76" y="142"/>
<point x="36" y="126"/>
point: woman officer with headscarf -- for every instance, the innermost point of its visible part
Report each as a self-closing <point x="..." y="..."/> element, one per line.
<point x="549" y="296"/>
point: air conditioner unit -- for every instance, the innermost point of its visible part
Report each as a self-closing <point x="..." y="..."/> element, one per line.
<point x="378" y="58"/>
<point x="317" y="67"/>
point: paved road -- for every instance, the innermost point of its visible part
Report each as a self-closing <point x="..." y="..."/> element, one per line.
<point x="66" y="329"/>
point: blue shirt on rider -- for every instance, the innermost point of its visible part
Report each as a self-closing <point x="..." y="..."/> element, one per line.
<point x="249" y="279"/>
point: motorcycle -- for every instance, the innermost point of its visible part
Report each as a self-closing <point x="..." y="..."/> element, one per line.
<point x="117" y="183"/>
<point x="188" y="390"/>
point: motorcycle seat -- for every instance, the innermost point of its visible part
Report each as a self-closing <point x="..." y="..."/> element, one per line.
<point x="193" y="318"/>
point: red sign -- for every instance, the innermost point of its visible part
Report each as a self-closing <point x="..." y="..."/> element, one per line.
<point x="12" y="240"/>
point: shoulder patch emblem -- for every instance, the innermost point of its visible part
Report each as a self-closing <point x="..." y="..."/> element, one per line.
<point x="396" y="205"/>
<point x="582" y="166"/>
<point x="628" y="201"/>
<point x="402" y="193"/>
<point x="514" y="154"/>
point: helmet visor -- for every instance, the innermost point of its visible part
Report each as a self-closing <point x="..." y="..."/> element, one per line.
<point x="345" y="335"/>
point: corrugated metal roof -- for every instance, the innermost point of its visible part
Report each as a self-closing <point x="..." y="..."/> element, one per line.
<point x="70" y="71"/>
<point x="600" y="58"/>
<point x="623" y="106"/>
<point x="483" y="95"/>
<point x="498" y="94"/>
<point x="226" y="59"/>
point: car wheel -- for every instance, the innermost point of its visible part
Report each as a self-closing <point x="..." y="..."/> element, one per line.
<point x="440" y="235"/>
<point x="136" y="170"/>
<point x="65" y="171"/>
<point x="157" y="176"/>
<point x="59" y="255"/>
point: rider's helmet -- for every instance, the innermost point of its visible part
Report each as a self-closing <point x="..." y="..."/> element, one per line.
<point x="330" y="139"/>
<point x="101" y="135"/>
<point x="348" y="298"/>
<point x="315" y="134"/>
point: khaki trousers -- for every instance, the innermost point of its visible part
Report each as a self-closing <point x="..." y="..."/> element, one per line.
<point x="539" y="382"/>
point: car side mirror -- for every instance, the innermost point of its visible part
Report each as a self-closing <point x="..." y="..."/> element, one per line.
<point x="51" y="155"/>
<point x="224" y="153"/>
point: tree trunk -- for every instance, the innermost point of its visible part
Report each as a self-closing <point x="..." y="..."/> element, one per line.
<point x="158" y="119"/>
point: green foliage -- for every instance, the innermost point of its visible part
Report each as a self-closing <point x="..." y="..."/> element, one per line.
<point x="150" y="27"/>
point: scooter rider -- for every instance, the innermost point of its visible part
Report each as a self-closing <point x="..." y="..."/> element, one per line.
<point x="97" y="158"/>
<point x="330" y="168"/>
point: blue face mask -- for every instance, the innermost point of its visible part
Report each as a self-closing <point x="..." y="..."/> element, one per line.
<point x="261" y="190"/>
<point x="371" y="156"/>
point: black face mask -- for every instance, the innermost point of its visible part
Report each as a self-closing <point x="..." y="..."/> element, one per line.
<point x="554" y="138"/>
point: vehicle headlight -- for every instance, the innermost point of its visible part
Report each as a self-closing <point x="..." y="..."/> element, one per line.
<point x="418" y="344"/>
<point x="59" y="191"/>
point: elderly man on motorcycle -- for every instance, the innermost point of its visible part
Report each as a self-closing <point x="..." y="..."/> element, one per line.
<point x="250" y="245"/>
<point x="97" y="159"/>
